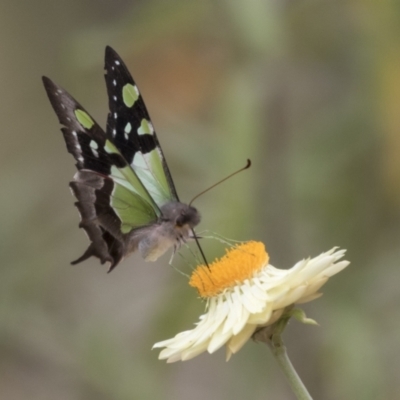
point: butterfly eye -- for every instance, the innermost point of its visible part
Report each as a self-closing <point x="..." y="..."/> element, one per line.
<point x="182" y="220"/>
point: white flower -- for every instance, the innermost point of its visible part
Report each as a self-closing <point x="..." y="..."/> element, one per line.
<point x="244" y="292"/>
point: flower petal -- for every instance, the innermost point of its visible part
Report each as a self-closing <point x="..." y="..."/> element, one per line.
<point x="239" y="340"/>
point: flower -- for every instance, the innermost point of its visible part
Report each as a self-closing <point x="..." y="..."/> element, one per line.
<point x="244" y="292"/>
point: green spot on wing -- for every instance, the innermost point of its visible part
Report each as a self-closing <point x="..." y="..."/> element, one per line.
<point x="110" y="148"/>
<point x="84" y="119"/>
<point x="129" y="94"/>
<point x="145" y="127"/>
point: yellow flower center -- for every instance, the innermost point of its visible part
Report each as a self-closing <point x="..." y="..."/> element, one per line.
<point x="238" y="264"/>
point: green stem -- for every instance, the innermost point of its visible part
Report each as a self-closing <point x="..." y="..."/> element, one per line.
<point x="279" y="351"/>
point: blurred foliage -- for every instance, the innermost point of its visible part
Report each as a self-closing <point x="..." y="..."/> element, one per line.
<point x="310" y="91"/>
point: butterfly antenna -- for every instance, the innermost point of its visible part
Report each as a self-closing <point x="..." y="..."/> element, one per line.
<point x="248" y="165"/>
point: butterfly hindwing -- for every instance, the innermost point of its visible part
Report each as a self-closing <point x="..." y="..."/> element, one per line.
<point x="130" y="127"/>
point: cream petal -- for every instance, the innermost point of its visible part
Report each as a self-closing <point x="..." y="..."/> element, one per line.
<point x="249" y="301"/>
<point x="314" y="286"/>
<point x="277" y="292"/>
<point x="313" y="268"/>
<point x="171" y="341"/>
<point x="200" y="334"/>
<point x="233" y="317"/>
<point x="251" y="293"/>
<point x="335" y="268"/>
<point x="175" y="358"/>
<point x="206" y="331"/>
<point x="274" y="317"/>
<point x="238" y="341"/>
<point x="168" y="353"/>
<point x="192" y="352"/>
<point x="241" y="323"/>
<point x="261" y="318"/>
<point x="275" y="273"/>
<point x="299" y="266"/>
<point x="309" y="298"/>
<point x="290" y="297"/>
<point x="238" y="309"/>
<point x="257" y="291"/>
<point x="218" y="339"/>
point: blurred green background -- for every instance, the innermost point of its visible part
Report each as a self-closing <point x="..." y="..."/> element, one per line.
<point x="309" y="90"/>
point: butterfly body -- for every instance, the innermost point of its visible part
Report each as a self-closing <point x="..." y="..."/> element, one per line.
<point x="172" y="229"/>
<point x="126" y="196"/>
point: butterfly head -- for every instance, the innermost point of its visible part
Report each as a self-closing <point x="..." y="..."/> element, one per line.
<point x="181" y="216"/>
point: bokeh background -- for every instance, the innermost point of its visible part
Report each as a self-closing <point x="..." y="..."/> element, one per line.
<point x="309" y="90"/>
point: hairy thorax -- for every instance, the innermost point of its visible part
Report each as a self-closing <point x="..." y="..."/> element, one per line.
<point x="172" y="229"/>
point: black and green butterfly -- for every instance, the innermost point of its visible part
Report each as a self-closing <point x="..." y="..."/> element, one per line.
<point x="126" y="197"/>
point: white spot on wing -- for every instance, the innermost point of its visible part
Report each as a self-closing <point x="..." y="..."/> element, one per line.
<point x="114" y="82"/>
<point x="115" y="98"/>
<point x="80" y="158"/>
<point x="95" y="153"/>
<point x="117" y="62"/>
<point x="114" y="132"/>
<point x="74" y="134"/>
<point x="128" y="127"/>
<point x="93" y="145"/>
<point x="115" y="115"/>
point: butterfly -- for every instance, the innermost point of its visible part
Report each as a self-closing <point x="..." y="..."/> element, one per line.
<point x="126" y="196"/>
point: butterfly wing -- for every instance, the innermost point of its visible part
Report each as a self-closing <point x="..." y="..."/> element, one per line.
<point x="112" y="200"/>
<point x="132" y="132"/>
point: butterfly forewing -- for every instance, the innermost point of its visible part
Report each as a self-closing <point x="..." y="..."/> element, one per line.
<point x="130" y="127"/>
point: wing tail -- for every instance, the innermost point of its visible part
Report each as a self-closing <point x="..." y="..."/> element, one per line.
<point x="90" y="251"/>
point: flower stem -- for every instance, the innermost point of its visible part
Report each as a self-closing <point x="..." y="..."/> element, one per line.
<point x="278" y="349"/>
